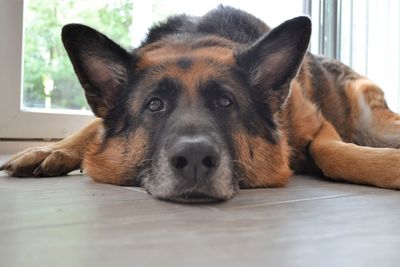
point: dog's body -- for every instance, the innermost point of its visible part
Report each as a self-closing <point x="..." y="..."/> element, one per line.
<point x="298" y="112"/>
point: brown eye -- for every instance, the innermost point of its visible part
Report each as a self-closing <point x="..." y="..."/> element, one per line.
<point x="224" y="102"/>
<point x="155" y="104"/>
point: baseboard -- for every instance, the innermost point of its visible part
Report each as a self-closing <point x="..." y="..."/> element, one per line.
<point x="12" y="147"/>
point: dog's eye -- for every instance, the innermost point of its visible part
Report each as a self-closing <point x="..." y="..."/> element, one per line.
<point x="224" y="102"/>
<point x="155" y="104"/>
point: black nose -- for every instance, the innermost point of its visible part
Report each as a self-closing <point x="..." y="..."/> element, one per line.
<point x="194" y="158"/>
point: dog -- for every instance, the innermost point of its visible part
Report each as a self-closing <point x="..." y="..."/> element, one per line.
<point x="207" y="105"/>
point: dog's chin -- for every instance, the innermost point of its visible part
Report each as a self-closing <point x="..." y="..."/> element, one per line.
<point x="195" y="197"/>
<point x="192" y="196"/>
<point x="163" y="184"/>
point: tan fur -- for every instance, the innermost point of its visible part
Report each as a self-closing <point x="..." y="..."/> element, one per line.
<point x="359" y="164"/>
<point x="374" y="124"/>
<point x="356" y="164"/>
<point x="163" y="54"/>
<point x="56" y="159"/>
<point x="303" y="120"/>
<point x="265" y="165"/>
<point x="200" y="70"/>
<point x="115" y="161"/>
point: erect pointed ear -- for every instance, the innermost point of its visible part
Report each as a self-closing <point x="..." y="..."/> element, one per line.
<point x="100" y="64"/>
<point x="273" y="60"/>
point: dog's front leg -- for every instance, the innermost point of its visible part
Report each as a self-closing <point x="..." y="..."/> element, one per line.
<point x="53" y="160"/>
<point x="357" y="164"/>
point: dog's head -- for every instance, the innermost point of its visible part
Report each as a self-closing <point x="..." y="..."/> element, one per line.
<point x="189" y="117"/>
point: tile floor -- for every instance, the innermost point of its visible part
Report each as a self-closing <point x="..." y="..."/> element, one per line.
<point x="72" y="221"/>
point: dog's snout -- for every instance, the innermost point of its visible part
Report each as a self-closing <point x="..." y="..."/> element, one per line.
<point x="194" y="158"/>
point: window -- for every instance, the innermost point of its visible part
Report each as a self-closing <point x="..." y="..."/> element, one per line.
<point x="48" y="77"/>
<point x="363" y="34"/>
<point x="50" y="103"/>
<point x="41" y="97"/>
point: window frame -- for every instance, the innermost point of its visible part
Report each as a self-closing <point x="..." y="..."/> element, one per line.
<point x="15" y="122"/>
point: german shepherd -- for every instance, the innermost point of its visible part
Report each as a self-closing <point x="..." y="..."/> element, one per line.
<point x="207" y="105"/>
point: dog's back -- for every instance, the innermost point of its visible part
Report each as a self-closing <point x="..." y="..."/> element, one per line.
<point x="227" y="22"/>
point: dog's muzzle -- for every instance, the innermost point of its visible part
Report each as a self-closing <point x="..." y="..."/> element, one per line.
<point x="194" y="160"/>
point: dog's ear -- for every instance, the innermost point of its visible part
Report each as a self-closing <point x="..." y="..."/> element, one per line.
<point x="100" y="64"/>
<point x="273" y="60"/>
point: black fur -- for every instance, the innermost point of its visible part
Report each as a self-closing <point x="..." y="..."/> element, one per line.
<point x="232" y="24"/>
<point x="173" y="25"/>
<point x="184" y="63"/>
<point x="219" y="21"/>
<point x="83" y="44"/>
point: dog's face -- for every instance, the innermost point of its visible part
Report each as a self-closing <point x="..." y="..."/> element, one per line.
<point x="189" y="117"/>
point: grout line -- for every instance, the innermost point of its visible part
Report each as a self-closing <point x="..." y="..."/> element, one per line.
<point x="295" y="201"/>
<point x="136" y="189"/>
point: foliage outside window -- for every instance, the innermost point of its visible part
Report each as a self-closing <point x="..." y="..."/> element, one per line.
<point x="49" y="81"/>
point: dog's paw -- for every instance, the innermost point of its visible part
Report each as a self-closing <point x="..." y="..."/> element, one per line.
<point x="42" y="162"/>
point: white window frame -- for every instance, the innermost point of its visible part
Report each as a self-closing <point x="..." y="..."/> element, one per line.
<point x="16" y="123"/>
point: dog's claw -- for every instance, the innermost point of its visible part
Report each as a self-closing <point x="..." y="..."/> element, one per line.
<point x="3" y="167"/>
<point x="38" y="171"/>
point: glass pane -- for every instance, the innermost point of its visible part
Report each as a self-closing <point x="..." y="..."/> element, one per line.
<point x="49" y="81"/>
<point x="370" y="40"/>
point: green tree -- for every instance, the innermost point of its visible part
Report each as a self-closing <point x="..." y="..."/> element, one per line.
<point x="44" y="56"/>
